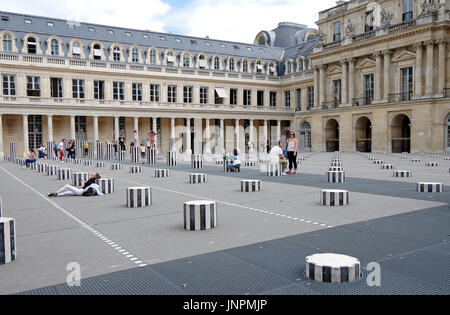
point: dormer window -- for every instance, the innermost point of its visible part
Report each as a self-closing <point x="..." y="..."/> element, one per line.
<point x="7" y="43"/>
<point x="97" y="52"/>
<point x="116" y="53"/>
<point x="259" y="67"/>
<point x="170" y="59"/>
<point x="145" y="36"/>
<point x="231" y="64"/>
<point x="54" y="49"/>
<point x="128" y="34"/>
<point x="5" y="18"/>
<point x="208" y="44"/>
<point x="31" y="45"/>
<point x="236" y="47"/>
<point x="50" y="24"/>
<point x="91" y="29"/>
<point x="249" y="49"/>
<point x="76" y="50"/>
<point x="245" y="66"/>
<point x="194" y="42"/>
<point x="216" y="63"/>
<point x="152" y="56"/>
<point x="186" y="61"/>
<point x="28" y="21"/>
<point x="178" y="40"/>
<point x="202" y="62"/>
<point x="110" y="32"/>
<point x="135" y="55"/>
<point x="162" y="38"/>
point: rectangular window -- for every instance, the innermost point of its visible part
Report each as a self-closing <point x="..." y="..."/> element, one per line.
<point x="203" y="95"/>
<point x="406" y="84"/>
<point x="310" y="97"/>
<point x="287" y="98"/>
<point x="122" y="126"/>
<point x="118" y="91"/>
<point x="154" y="92"/>
<point x="233" y="96"/>
<point x="407" y="11"/>
<point x="33" y="86"/>
<point x="9" y="85"/>
<point x="273" y="99"/>
<point x="337" y="31"/>
<point x="77" y="88"/>
<point x="368" y="89"/>
<point x="187" y="94"/>
<point x="99" y="90"/>
<point x="137" y="92"/>
<point x="337" y="92"/>
<point x="247" y="97"/>
<point x="260" y="98"/>
<point x="171" y="94"/>
<point x="56" y="87"/>
<point x="298" y="99"/>
<point x="369" y="22"/>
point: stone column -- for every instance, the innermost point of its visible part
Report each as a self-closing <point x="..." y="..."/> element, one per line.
<point x="322" y="85"/>
<point x="251" y="136"/>
<point x="351" y="76"/>
<point x="377" y="76"/>
<point x="116" y="128"/>
<point x="25" y="133"/>
<point x="344" y="83"/>
<point x="221" y="137"/>
<point x="136" y="127"/>
<point x="49" y="128"/>
<point x="95" y="128"/>
<point x="72" y="127"/>
<point x="1" y="138"/>
<point x="316" y="87"/>
<point x="207" y="136"/>
<point x="441" y="68"/>
<point x="188" y="136"/>
<point x="386" y="75"/>
<point x="429" y="79"/>
<point x="278" y="130"/>
<point x="419" y="56"/>
<point x="236" y="131"/>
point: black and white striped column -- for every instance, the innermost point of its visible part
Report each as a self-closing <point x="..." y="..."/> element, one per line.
<point x="106" y="185"/>
<point x="196" y="178"/>
<point x="88" y="163"/>
<point x="109" y="154"/>
<point x="116" y="167"/>
<point x="79" y="149"/>
<point x="100" y="149"/>
<point x="378" y="162"/>
<point x="100" y="164"/>
<point x="50" y="150"/>
<point x="7" y="240"/>
<point x="250" y="185"/>
<point x="334" y="197"/>
<point x="91" y="150"/>
<point x="138" y="197"/>
<point x="336" y="169"/>
<point x="199" y="215"/>
<point x="78" y="162"/>
<point x="161" y="173"/>
<point x="197" y="161"/>
<point x="136" y="169"/>
<point x="78" y="178"/>
<point x="13" y="151"/>
<point x="430" y="187"/>
<point x="151" y="156"/>
<point x="52" y="170"/>
<point x="33" y="166"/>
<point x="172" y="158"/>
<point x="120" y="154"/>
<point x="432" y="164"/>
<point x="332" y="268"/>
<point x="335" y="177"/>
<point x="273" y="169"/>
<point x="135" y="155"/>
<point x="63" y="174"/>
<point x="249" y="164"/>
<point x="402" y="174"/>
<point x="388" y="166"/>
<point x="416" y="160"/>
<point x="336" y="164"/>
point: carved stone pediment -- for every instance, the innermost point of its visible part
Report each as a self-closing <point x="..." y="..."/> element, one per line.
<point x="366" y="63"/>
<point x="405" y="54"/>
<point x="335" y="69"/>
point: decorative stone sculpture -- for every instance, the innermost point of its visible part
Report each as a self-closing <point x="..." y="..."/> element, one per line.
<point x="386" y="18"/>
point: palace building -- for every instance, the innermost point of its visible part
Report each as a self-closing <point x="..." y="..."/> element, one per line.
<point x="374" y="76"/>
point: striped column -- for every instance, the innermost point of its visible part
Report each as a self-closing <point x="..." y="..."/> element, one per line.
<point x="416" y="160"/>
<point x="430" y="187"/>
<point x="42" y="168"/>
<point x="106" y="185"/>
<point x="151" y="156"/>
<point x="432" y="164"/>
<point x="91" y="150"/>
<point x="52" y="170"/>
<point x="336" y="169"/>
<point x="135" y="155"/>
<point x="63" y="174"/>
<point x="109" y="154"/>
<point x="250" y="185"/>
<point x="273" y="169"/>
<point x="79" y="149"/>
<point x="100" y="150"/>
<point x="50" y="150"/>
<point x="378" y="162"/>
<point x="332" y="268"/>
<point x="335" y="177"/>
<point x="101" y="164"/>
<point x="197" y="161"/>
<point x="199" y="215"/>
<point x="7" y="240"/>
<point x="1" y="206"/>
<point x="196" y="178"/>
<point x="388" y="166"/>
<point x="120" y="154"/>
<point x="171" y="158"/>
<point x="136" y="169"/>
<point x="402" y="174"/>
<point x="116" y="167"/>
<point x="33" y="166"/>
<point x="13" y="151"/>
<point x="334" y="197"/>
<point x="138" y="197"/>
<point x="336" y="164"/>
<point x="78" y="178"/>
<point x="249" y="164"/>
<point x="88" y="163"/>
<point x="161" y="173"/>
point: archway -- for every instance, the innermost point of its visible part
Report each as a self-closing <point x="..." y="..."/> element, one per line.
<point x="401" y="134"/>
<point x="332" y="135"/>
<point x="304" y="138"/>
<point x="363" y="134"/>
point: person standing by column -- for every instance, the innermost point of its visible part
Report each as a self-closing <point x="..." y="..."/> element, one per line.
<point x="291" y="147"/>
<point x="61" y="150"/>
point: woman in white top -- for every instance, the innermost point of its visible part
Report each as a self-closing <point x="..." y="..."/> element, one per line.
<point x="291" y="148"/>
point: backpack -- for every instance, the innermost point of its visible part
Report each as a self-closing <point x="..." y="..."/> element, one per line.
<point x="56" y="146"/>
<point x="90" y="192"/>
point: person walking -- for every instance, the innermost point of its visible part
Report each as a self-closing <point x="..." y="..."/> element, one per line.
<point x="291" y="148"/>
<point x="56" y="149"/>
<point x="61" y="150"/>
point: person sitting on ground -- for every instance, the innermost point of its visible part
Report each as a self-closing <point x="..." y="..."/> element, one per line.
<point x="276" y="156"/>
<point x="89" y="188"/>
<point x="41" y="152"/>
<point x="31" y="158"/>
<point x="236" y="165"/>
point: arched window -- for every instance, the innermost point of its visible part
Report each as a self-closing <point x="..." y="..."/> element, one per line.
<point x="31" y="45"/>
<point x="259" y="67"/>
<point x="76" y="50"/>
<point x="97" y="52"/>
<point x="216" y="63"/>
<point x="170" y="59"/>
<point x="54" y="48"/>
<point x="116" y="53"/>
<point x="289" y="67"/>
<point x="135" y="55"/>
<point x="300" y="65"/>
<point x="245" y="66"/>
<point x="262" y="41"/>
<point x="152" y="57"/>
<point x="186" y="61"/>
<point x="231" y="64"/>
<point x="202" y="62"/>
<point x="272" y="69"/>
<point x="7" y="43"/>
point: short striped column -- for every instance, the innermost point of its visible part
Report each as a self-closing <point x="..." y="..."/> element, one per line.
<point x="432" y="164"/>
<point x="402" y="174"/>
<point x="196" y="178"/>
<point x="387" y="166"/>
<point x="273" y="170"/>
<point x="101" y="164"/>
<point x="430" y="187"/>
<point x="100" y="150"/>
<point x="116" y="167"/>
<point x="335" y="177"/>
<point x="52" y="170"/>
<point x="332" y="268"/>
<point x="138" y="197"/>
<point x="161" y="173"/>
<point x="50" y="150"/>
<point x="372" y="158"/>
<point x="106" y="185"/>
<point x="42" y="168"/>
<point x="91" y="150"/>
<point x="135" y="155"/>
<point x="78" y="162"/>
<point x="336" y="164"/>
<point x="33" y="166"/>
<point x="78" y="178"/>
<point x="197" y="161"/>
<point x="7" y="240"/>
<point x="88" y="163"/>
<point x="151" y="156"/>
<point x="63" y="174"/>
<point x="109" y="154"/>
<point x="199" y="215"/>
<point x="334" y="197"/>
<point x="172" y="158"/>
<point x="136" y="169"/>
<point x="378" y="162"/>
<point x="13" y="151"/>
<point x="250" y="185"/>
<point x="120" y="154"/>
<point x="249" y="164"/>
<point x="416" y="160"/>
<point x="336" y="169"/>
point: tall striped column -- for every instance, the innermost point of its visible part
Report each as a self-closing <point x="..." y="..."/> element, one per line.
<point x="100" y="150"/>
<point x="120" y="154"/>
<point x="13" y="151"/>
<point x="151" y="156"/>
<point x="172" y="158"/>
<point x="109" y="152"/>
<point x="91" y="153"/>
<point x="50" y="150"/>
<point x="135" y="154"/>
<point x="7" y="240"/>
